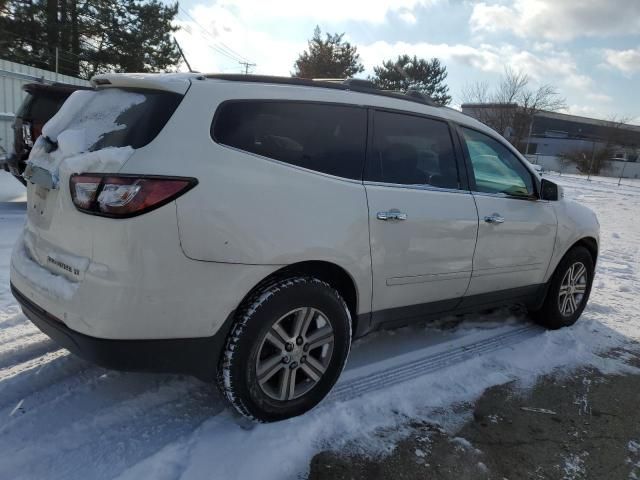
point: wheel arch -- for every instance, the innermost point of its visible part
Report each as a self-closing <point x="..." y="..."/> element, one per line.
<point x="333" y="274"/>
<point x="590" y="243"/>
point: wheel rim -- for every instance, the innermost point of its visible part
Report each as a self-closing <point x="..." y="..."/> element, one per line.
<point x="572" y="289"/>
<point x="294" y="354"/>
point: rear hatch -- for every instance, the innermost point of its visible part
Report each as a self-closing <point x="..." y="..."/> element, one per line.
<point x="95" y="131"/>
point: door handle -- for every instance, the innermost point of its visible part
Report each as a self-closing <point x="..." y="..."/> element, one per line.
<point x="494" y="218"/>
<point x="392" y="215"/>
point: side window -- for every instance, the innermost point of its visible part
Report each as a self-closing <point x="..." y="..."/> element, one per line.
<point x="326" y="138"/>
<point x="495" y="168"/>
<point x="412" y="150"/>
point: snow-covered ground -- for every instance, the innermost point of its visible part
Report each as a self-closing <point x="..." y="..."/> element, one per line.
<point x="62" y="417"/>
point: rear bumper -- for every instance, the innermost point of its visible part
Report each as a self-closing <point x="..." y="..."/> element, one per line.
<point x="193" y="356"/>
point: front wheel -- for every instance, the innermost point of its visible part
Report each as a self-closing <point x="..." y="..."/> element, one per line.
<point x="286" y="349"/>
<point x="568" y="291"/>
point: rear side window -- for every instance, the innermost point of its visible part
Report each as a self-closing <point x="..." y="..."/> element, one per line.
<point x="412" y="150"/>
<point x="325" y="138"/>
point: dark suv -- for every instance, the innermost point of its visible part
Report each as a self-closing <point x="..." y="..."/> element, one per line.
<point x="41" y="103"/>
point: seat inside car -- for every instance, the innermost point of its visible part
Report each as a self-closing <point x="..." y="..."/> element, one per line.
<point x="399" y="164"/>
<point x="448" y="176"/>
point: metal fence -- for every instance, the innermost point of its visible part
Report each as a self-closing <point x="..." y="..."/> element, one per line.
<point x="613" y="171"/>
<point x="12" y="77"/>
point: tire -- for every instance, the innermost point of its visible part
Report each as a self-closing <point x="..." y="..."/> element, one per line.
<point x="263" y="353"/>
<point x="551" y="315"/>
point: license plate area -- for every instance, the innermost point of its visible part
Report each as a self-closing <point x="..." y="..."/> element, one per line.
<point x="40" y="205"/>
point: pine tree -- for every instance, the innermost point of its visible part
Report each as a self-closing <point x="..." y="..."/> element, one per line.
<point x="426" y="76"/>
<point x="91" y="36"/>
<point x="328" y="58"/>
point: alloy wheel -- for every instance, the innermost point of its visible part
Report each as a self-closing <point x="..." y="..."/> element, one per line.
<point x="294" y="354"/>
<point x="572" y="289"/>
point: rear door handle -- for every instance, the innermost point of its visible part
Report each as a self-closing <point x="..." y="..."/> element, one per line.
<point x="494" y="218"/>
<point x="392" y="215"/>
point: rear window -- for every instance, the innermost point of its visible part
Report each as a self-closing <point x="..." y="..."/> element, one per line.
<point x="92" y="120"/>
<point x="139" y="123"/>
<point x="321" y="137"/>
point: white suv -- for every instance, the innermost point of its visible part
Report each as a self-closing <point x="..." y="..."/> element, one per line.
<point x="246" y="229"/>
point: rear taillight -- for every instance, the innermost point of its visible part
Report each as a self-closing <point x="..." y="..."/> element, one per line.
<point x="123" y="196"/>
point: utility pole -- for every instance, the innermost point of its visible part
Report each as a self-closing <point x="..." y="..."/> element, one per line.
<point x="182" y="54"/>
<point x="246" y="66"/>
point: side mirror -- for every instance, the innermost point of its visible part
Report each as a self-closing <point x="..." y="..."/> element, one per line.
<point x="549" y="190"/>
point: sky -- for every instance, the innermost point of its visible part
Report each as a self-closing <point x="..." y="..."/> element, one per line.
<point x="589" y="50"/>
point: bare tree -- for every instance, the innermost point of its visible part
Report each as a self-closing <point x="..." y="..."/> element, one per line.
<point x="512" y="86"/>
<point x="514" y="104"/>
<point x="476" y="92"/>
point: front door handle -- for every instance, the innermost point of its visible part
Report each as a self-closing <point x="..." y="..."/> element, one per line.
<point x="392" y="215"/>
<point x="494" y="218"/>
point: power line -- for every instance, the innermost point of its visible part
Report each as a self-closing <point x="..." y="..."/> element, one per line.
<point x="221" y="48"/>
<point x="211" y="47"/>
<point x="225" y="50"/>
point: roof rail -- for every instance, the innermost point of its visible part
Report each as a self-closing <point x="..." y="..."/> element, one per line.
<point x="332" y="80"/>
<point x="412" y="92"/>
<point x="359" y="82"/>
<point x="351" y="84"/>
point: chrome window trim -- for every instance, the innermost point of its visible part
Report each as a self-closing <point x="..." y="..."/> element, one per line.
<point x="425" y="187"/>
<point x="511" y="197"/>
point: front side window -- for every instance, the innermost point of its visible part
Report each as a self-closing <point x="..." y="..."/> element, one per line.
<point x="495" y="168"/>
<point x="325" y="138"/>
<point x="412" y="150"/>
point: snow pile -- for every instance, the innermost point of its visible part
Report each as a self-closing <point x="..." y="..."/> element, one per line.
<point x="80" y="123"/>
<point x="86" y="116"/>
<point x="10" y="189"/>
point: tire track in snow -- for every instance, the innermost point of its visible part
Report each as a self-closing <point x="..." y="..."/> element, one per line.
<point x="103" y="428"/>
<point x="52" y="370"/>
<point x="385" y="378"/>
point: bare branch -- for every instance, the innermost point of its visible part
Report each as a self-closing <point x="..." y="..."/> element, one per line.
<point x="476" y="92"/>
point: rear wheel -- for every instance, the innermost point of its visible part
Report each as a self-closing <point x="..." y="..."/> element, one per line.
<point x="286" y="349"/>
<point x="569" y="290"/>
